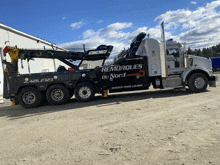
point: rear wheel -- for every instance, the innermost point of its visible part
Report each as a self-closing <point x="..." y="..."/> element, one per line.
<point x="198" y="82"/>
<point x="57" y="94"/>
<point x="29" y="97"/>
<point x="84" y="92"/>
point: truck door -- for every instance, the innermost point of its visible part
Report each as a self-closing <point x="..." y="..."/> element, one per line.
<point x="175" y="56"/>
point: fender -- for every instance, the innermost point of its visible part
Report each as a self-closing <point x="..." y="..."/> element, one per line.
<point x="187" y="73"/>
<point x="84" y="79"/>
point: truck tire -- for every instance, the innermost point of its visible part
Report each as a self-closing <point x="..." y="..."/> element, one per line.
<point x="197" y="82"/>
<point x="84" y="92"/>
<point x="57" y="94"/>
<point x="29" y="97"/>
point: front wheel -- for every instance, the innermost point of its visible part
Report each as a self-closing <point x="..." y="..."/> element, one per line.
<point x="198" y="82"/>
<point x="57" y="94"/>
<point x="84" y="92"/>
<point x="29" y="97"/>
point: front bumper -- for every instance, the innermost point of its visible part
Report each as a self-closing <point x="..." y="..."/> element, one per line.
<point x="212" y="81"/>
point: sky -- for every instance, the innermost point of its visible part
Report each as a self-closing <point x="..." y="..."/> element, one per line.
<point x="71" y="24"/>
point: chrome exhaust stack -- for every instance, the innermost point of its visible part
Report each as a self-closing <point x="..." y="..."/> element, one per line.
<point x="163" y="59"/>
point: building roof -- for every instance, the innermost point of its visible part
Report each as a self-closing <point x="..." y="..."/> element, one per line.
<point x="2" y="26"/>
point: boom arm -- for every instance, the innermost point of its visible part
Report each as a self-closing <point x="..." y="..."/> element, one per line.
<point x="102" y="52"/>
<point x="133" y="46"/>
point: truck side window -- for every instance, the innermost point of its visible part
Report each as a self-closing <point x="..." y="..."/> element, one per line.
<point x="173" y="52"/>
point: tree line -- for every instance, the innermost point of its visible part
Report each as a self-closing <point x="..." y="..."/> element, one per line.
<point x="213" y="51"/>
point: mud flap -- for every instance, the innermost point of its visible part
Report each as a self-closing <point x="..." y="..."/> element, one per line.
<point x="5" y="86"/>
<point x="212" y="81"/>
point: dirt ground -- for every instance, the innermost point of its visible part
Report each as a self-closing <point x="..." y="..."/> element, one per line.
<point x="133" y="128"/>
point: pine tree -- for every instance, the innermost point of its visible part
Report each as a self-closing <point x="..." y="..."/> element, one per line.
<point x="189" y="51"/>
<point x="204" y="52"/>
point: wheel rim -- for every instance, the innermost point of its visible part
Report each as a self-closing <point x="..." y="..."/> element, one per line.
<point x="57" y="94"/>
<point x="29" y="98"/>
<point x="199" y="82"/>
<point x="85" y="92"/>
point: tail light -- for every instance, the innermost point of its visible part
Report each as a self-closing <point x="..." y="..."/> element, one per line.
<point x="5" y="50"/>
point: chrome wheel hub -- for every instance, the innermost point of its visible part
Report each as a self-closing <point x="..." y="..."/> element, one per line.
<point x="199" y="82"/>
<point x="84" y="92"/>
<point x="29" y="98"/>
<point x="57" y="94"/>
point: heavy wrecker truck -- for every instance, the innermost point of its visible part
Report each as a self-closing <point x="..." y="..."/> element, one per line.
<point x="147" y="61"/>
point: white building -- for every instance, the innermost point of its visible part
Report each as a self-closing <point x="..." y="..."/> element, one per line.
<point x="13" y="37"/>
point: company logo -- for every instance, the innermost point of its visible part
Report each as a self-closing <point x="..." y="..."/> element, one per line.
<point x="38" y="80"/>
<point x="113" y="76"/>
<point x="140" y="74"/>
<point x="121" y="68"/>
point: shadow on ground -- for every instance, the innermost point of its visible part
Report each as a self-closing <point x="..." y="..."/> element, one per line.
<point x="16" y="112"/>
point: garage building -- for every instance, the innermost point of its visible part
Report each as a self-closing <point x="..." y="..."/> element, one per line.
<point x="12" y="37"/>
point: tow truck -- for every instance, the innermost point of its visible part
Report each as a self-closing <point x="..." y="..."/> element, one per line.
<point x="147" y="62"/>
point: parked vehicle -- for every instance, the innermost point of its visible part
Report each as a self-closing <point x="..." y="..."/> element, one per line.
<point x="215" y="63"/>
<point x="147" y="62"/>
